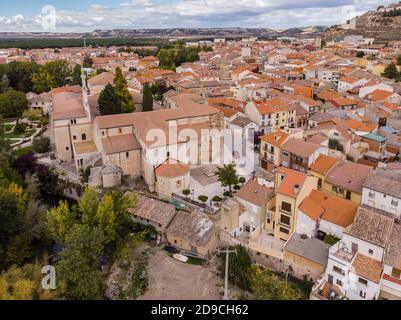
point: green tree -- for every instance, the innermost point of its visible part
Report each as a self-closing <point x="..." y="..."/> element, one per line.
<point x="24" y="283"/>
<point x="85" y="173"/>
<point x="4" y="83"/>
<point x="267" y="286"/>
<point x="227" y="175"/>
<point x="76" y="75"/>
<point x="12" y="104"/>
<point x="147" y="101"/>
<point x="88" y="205"/>
<point x="60" y="220"/>
<point x="186" y="192"/>
<point x="391" y="71"/>
<point x="109" y="102"/>
<point x="121" y="90"/>
<point x="60" y="72"/>
<point x="217" y="199"/>
<point x="43" y="81"/>
<point x="18" y="250"/>
<point x="238" y="267"/>
<point x="79" y="265"/>
<point x="203" y="198"/>
<point x="20" y="75"/>
<point x="88" y="62"/>
<point x="41" y="144"/>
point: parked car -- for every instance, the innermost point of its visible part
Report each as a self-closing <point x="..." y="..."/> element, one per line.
<point x="171" y="249"/>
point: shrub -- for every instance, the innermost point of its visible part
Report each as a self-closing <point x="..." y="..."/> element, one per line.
<point x="19" y="128"/>
<point x="331" y="239"/>
<point x="41" y="144"/>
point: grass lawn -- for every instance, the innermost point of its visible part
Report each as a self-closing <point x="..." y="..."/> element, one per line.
<point x="195" y="261"/>
<point x="23" y="151"/>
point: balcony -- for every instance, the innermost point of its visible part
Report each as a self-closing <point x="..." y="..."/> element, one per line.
<point x="342" y="253"/>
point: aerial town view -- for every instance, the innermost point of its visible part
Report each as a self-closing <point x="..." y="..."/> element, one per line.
<point x="155" y="150"/>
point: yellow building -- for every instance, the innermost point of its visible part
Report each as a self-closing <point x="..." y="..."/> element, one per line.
<point x="291" y="188"/>
<point x="341" y="178"/>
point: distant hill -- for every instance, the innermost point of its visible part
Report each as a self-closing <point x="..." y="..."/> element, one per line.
<point x="383" y="24"/>
<point x="184" y="33"/>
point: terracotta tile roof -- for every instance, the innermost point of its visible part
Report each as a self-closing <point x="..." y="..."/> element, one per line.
<point x="101" y="79"/>
<point x="344" y="101"/>
<point x="383" y="185"/>
<point x="172" y="169"/>
<point x="276" y="138"/>
<point x="348" y="175"/>
<point x="311" y="208"/>
<point x="393" y="254"/>
<point x="367" y="267"/>
<point x="391" y="106"/>
<point x="193" y="227"/>
<point x="68" y="105"/>
<point x="228" y="112"/>
<point x="330" y="208"/>
<point x="85" y="147"/>
<point x="291" y="179"/>
<point x="255" y="193"/>
<point x="348" y="80"/>
<point x="299" y="147"/>
<point x="120" y="143"/>
<point x="371" y="226"/>
<point x="328" y="95"/>
<point x="272" y="106"/>
<point x="153" y="210"/>
<point x="317" y="139"/>
<point x="379" y="95"/>
<point x="323" y="164"/>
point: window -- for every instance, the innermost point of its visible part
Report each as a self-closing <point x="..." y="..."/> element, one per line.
<point x="362" y="294"/>
<point x="74" y="137"/>
<point x="363" y="281"/>
<point x="67" y="148"/>
<point x="394" y="203"/>
<point x="285" y="154"/>
<point x="178" y="183"/>
<point x="334" y="189"/>
<point x="120" y="130"/>
<point x="283" y="230"/>
<point x="338" y="270"/>
<point x="103" y="133"/>
<point x="83" y="136"/>
<point x="285" y="206"/>
<point x="127" y="154"/>
<point x="372" y="195"/>
<point x="370" y="251"/>
<point x="339" y="282"/>
<point x="286" y="220"/>
<point x="396" y="273"/>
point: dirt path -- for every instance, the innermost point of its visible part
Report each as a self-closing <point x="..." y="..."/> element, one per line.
<point x="175" y="280"/>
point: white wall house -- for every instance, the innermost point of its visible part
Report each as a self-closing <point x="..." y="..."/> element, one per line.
<point x="382" y="193"/>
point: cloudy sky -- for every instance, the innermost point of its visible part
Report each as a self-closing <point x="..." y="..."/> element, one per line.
<point x="88" y="15"/>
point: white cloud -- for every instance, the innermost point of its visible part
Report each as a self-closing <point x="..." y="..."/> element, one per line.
<point x="199" y="13"/>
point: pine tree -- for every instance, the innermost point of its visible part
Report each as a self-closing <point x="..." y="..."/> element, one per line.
<point x="147" y="101"/>
<point x="391" y="71"/>
<point x="121" y="89"/>
<point x="109" y="102"/>
<point x="76" y="75"/>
